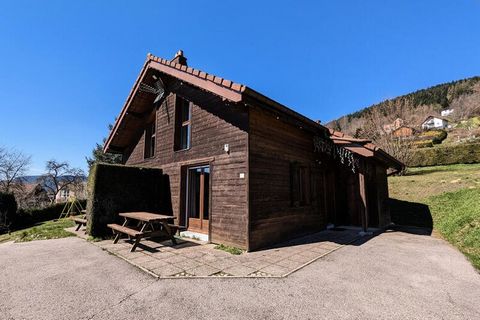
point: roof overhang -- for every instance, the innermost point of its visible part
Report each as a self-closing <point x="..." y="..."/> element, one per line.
<point x="366" y="149"/>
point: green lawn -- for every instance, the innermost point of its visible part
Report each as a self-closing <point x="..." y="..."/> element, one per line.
<point x="420" y="183"/>
<point x="46" y="230"/>
<point x="452" y="194"/>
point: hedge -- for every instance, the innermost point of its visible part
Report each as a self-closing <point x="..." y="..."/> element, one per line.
<point x="116" y="188"/>
<point x="443" y="155"/>
<point x="8" y="209"/>
<point x="25" y="218"/>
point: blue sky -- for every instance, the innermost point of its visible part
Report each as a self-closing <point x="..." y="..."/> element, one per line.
<point x="66" y="67"/>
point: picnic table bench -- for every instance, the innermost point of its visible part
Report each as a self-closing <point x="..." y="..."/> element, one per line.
<point x="80" y="220"/>
<point x="141" y="225"/>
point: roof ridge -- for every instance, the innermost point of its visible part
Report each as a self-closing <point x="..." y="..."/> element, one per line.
<point x="229" y="84"/>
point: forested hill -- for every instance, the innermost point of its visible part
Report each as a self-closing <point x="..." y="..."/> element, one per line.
<point x="463" y="96"/>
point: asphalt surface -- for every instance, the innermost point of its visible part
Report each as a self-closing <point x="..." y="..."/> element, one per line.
<point x="392" y="276"/>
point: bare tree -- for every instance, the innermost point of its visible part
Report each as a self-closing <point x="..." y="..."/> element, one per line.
<point x="398" y="147"/>
<point x="60" y="176"/>
<point x="13" y="165"/>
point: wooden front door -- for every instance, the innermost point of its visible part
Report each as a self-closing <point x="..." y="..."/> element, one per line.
<point x="198" y="195"/>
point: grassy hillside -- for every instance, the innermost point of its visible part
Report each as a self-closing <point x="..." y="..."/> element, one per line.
<point x="451" y="196"/>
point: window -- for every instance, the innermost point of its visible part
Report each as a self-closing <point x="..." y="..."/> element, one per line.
<point x="183" y="113"/>
<point x="299" y="185"/>
<point x="150" y="133"/>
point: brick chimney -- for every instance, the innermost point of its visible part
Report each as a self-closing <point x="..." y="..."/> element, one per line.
<point x="180" y="58"/>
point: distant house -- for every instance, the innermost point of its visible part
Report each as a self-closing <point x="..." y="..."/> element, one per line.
<point x="390" y="127"/>
<point x="35" y="194"/>
<point x="446" y="112"/>
<point x="434" y="122"/>
<point x="403" y="131"/>
<point x="32" y="195"/>
<point x="73" y="191"/>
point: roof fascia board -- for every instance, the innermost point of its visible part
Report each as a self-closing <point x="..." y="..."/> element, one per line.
<point x="205" y="84"/>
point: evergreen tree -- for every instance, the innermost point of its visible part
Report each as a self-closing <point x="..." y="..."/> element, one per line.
<point x="99" y="156"/>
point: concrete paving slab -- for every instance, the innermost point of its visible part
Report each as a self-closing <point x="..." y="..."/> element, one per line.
<point x="190" y="255"/>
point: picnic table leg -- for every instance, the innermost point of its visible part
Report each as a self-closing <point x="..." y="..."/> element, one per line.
<point x="138" y="238"/>
<point x="169" y="232"/>
<point x="78" y="226"/>
<point x="117" y="234"/>
<point x="135" y="244"/>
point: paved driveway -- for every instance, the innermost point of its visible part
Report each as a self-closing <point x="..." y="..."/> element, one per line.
<point x="394" y="275"/>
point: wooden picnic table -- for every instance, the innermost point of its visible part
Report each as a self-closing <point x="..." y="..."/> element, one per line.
<point x="145" y="225"/>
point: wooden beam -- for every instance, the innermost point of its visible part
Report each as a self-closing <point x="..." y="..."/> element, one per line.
<point x="363" y="198"/>
<point x="115" y="149"/>
<point x="138" y="115"/>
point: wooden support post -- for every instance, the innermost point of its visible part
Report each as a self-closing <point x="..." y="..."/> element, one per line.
<point x="363" y="198"/>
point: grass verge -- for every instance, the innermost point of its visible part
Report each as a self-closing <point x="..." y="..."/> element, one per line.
<point x="231" y="250"/>
<point x="53" y="229"/>
<point x="445" y="197"/>
<point x="456" y="216"/>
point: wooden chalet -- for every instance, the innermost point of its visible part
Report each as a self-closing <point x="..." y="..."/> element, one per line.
<point x="245" y="170"/>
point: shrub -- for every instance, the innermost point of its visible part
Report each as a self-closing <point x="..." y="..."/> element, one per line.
<point x="8" y="208"/>
<point x="443" y="155"/>
<point x="442" y="135"/>
<point x="116" y="188"/>
<point x="423" y="144"/>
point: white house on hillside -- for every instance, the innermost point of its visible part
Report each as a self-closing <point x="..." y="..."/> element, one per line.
<point x="446" y="112"/>
<point x="433" y="122"/>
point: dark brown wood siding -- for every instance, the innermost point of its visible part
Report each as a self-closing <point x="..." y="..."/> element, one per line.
<point x="274" y="146"/>
<point x="213" y="124"/>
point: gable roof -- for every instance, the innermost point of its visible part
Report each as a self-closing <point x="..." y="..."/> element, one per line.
<point x="403" y="126"/>
<point x="227" y="89"/>
<point x="239" y="93"/>
<point x="437" y="117"/>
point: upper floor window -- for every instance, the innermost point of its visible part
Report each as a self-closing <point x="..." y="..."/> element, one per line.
<point x="150" y="133"/>
<point x="183" y="114"/>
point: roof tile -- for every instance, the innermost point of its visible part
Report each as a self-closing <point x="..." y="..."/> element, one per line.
<point x="226" y="83"/>
<point x="236" y="86"/>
